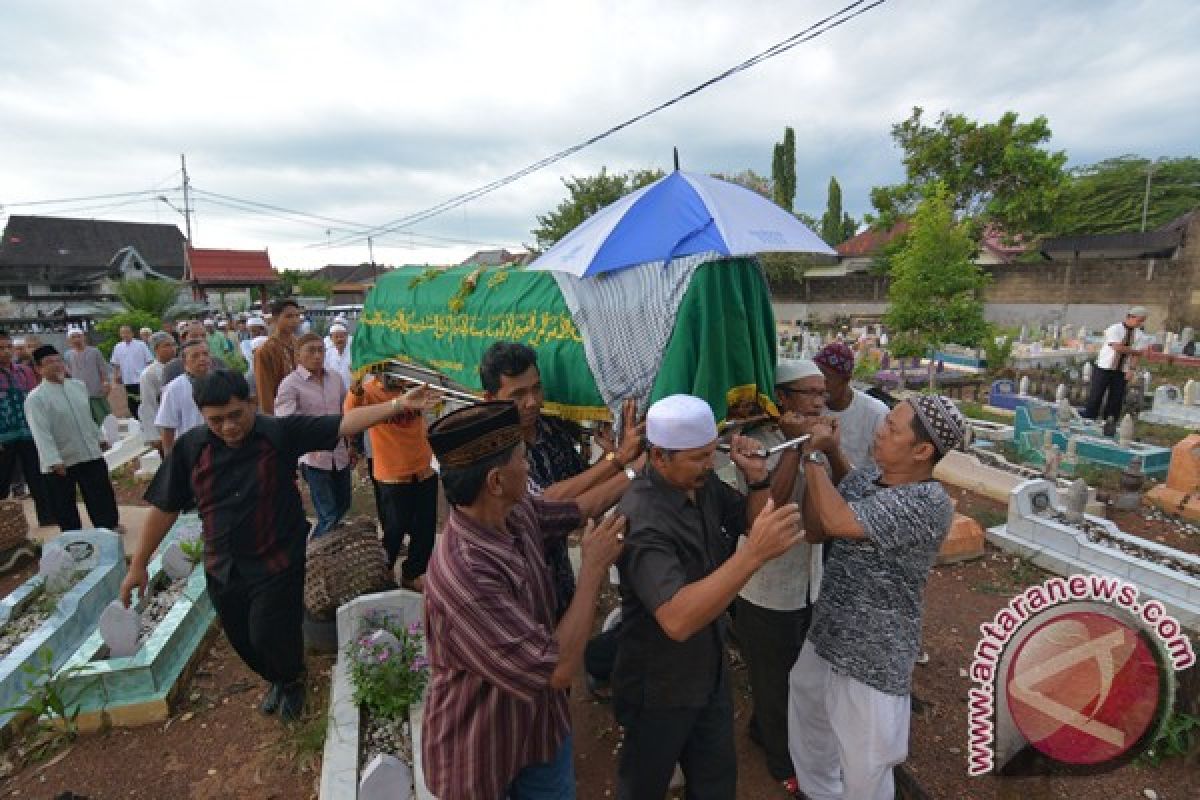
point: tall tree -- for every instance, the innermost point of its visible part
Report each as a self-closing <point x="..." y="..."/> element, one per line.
<point x="1109" y="197"/>
<point x="586" y="195"/>
<point x="832" y="221"/>
<point x="936" y="292"/>
<point x="748" y="178"/>
<point x="995" y="172"/>
<point x="783" y="170"/>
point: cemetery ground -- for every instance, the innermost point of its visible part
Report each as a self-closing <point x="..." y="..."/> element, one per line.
<point x="217" y="745"/>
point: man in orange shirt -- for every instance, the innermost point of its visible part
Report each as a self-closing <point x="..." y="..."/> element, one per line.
<point x="406" y="483"/>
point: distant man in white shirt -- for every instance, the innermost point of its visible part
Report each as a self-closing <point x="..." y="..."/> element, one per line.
<point x="858" y="414"/>
<point x="129" y="357"/>
<point x="337" y="351"/>
<point x="177" y="411"/>
<point x="1114" y="365"/>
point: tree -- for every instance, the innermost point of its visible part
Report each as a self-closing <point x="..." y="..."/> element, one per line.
<point x="749" y="179"/>
<point x="783" y="170"/>
<point x="288" y="280"/>
<point x="155" y="297"/>
<point x="936" y="292"/>
<point x="849" y="226"/>
<point x="836" y="225"/>
<point x="997" y="172"/>
<point x="315" y="287"/>
<point x="585" y="196"/>
<point x="109" y="328"/>
<point x="1108" y="197"/>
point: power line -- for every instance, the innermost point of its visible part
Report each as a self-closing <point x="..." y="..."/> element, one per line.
<point x="64" y="200"/>
<point x="813" y="31"/>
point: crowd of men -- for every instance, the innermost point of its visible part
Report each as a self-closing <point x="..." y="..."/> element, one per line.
<point x="817" y="552"/>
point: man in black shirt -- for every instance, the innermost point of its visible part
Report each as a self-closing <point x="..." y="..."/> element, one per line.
<point x="679" y="573"/>
<point x="239" y="470"/>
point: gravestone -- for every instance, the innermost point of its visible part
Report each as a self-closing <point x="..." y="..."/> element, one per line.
<point x="1060" y="393"/>
<point x="383" y="640"/>
<point x="1076" y="500"/>
<point x="1023" y="386"/>
<point x="1186" y="335"/>
<point x="1087" y="372"/>
<point x="1191" y="393"/>
<point x="1129" y="494"/>
<point x="1181" y="492"/>
<point x="1125" y="431"/>
<point x="176" y="563"/>
<point x="119" y="628"/>
<point x="148" y="465"/>
<point x="385" y="778"/>
<point x="56" y="568"/>
<point x="1064" y="413"/>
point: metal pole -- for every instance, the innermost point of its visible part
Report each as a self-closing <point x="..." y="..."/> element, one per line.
<point x="1146" y="199"/>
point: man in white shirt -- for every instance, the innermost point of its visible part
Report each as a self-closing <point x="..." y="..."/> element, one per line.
<point x="129" y="357"/>
<point x="177" y="411"/>
<point x="1114" y="365"/>
<point x="772" y="610"/>
<point x="337" y="351"/>
<point x="858" y="414"/>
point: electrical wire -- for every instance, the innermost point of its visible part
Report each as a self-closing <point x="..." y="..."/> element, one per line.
<point x="813" y="31"/>
<point x="65" y="200"/>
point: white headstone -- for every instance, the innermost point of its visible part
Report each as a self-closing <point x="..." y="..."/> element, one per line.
<point x="1186" y="335"/>
<point x="1125" y="431"/>
<point x="1189" y="392"/>
<point x="1023" y="386"/>
<point x="1065" y="414"/>
<point x="56" y="568"/>
<point x="883" y="340"/>
<point x="1072" y="449"/>
<point x="1060" y="393"/>
<point x="1087" y="372"/>
<point x="110" y="429"/>
<point x="1077" y="496"/>
<point x="119" y="627"/>
<point x="385" y="640"/>
<point x="1083" y="333"/>
<point x="176" y="563"/>
<point x="1166" y="395"/>
<point x="385" y="778"/>
<point x="1024" y="334"/>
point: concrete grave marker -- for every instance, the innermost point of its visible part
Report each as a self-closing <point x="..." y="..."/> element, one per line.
<point x="1087" y="372"/>
<point x="385" y="778"/>
<point x="56" y="568"/>
<point x="1076" y="500"/>
<point x="176" y="563"/>
<point x="1181" y="493"/>
<point x="119" y="627"/>
<point x="1023" y="386"/>
<point x="1125" y="431"/>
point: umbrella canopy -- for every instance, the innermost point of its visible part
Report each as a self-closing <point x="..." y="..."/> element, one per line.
<point x="682" y="214"/>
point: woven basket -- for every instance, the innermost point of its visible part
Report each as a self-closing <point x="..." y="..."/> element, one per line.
<point x="345" y="563"/>
<point x="14" y="528"/>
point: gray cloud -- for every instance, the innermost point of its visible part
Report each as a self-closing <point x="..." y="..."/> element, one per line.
<point x="369" y="111"/>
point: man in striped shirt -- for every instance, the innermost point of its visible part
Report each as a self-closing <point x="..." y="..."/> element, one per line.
<point x="496" y="718"/>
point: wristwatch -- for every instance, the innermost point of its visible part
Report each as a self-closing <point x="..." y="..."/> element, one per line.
<point x="630" y="473"/>
<point x="815" y="457"/>
<point x="765" y="483"/>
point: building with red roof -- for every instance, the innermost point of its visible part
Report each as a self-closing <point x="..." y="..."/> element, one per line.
<point x="211" y="269"/>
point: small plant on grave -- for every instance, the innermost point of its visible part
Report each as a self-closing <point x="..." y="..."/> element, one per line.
<point x="193" y="549"/>
<point x="53" y="712"/>
<point x="388" y="677"/>
<point x="1175" y="738"/>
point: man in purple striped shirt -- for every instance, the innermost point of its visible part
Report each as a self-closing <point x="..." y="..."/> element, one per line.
<point x="496" y="718"/>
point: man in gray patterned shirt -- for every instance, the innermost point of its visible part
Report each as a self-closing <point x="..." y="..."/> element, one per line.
<point x="848" y="696"/>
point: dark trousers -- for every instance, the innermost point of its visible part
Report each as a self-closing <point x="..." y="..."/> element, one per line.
<point x="24" y="453"/>
<point x="700" y="740"/>
<point x="263" y="620"/>
<point x="1105" y="381"/>
<point x="770" y="642"/>
<point x="331" y="491"/>
<point x="409" y="509"/>
<point x="133" y="393"/>
<point x="91" y="478"/>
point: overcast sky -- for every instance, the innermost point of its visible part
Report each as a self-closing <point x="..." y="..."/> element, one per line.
<point x="368" y="111"/>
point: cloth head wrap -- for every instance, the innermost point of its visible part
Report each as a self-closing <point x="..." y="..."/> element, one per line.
<point x="837" y="357"/>
<point x="941" y="419"/>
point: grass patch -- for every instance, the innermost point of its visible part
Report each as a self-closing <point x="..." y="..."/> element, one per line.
<point x="1161" y="435"/>
<point x="1099" y="477"/>
<point x="1022" y="573"/>
<point x="989" y="517"/>
<point x="977" y="411"/>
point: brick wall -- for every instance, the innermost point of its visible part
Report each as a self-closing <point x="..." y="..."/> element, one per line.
<point x="1074" y="291"/>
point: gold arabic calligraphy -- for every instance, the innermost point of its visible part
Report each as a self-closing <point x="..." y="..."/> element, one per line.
<point x="531" y="327"/>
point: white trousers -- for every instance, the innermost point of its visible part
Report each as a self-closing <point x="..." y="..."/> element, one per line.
<point x="844" y="736"/>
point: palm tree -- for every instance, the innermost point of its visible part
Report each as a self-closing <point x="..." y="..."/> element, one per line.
<point x="155" y="297"/>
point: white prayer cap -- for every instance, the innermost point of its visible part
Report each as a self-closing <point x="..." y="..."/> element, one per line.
<point x="259" y="321"/>
<point x="340" y="318"/>
<point x="680" y="422"/>
<point x="19" y="342"/>
<point x="181" y="325"/>
<point x="145" y="330"/>
<point x="793" y="369"/>
<point x="222" y="324"/>
<point x="337" y="327"/>
<point x="209" y="322"/>
<point x="74" y="330"/>
<point x="257" y="342"/>
<point x="1137" y="311"/>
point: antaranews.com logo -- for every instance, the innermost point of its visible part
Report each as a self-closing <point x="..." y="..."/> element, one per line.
<point x="1078" y="668"/>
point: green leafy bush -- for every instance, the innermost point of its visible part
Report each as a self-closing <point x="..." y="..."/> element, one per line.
<point x="387" y="679"/>
<point x="109" y="329"/>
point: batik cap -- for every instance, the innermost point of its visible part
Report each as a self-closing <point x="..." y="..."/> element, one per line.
<point x="941" y="419"/>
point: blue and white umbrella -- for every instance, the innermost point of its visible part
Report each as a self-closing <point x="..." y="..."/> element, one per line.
<point x="683" y="214"/>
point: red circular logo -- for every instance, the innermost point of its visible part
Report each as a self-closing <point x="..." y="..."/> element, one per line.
<point x="1083" y="688"/>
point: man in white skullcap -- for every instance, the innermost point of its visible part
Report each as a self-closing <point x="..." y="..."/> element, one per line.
<point x="679" y="572"/>
<point x="1123" y="344"/>
<point x="848" y="700"/>
<point x="773" y="609"/>
<point x="337" y="351"/>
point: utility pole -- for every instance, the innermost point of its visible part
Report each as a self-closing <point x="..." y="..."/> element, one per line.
<point x="1146" y="199"/>
<point x="371" y="255"/>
